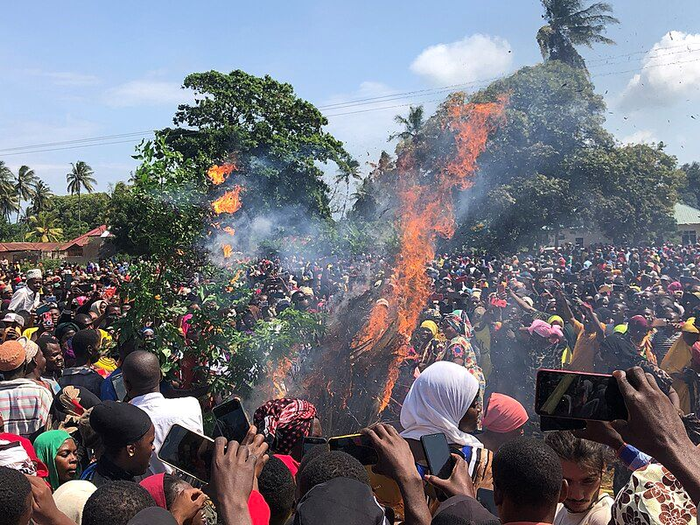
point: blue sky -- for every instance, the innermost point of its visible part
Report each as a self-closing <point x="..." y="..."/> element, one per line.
<point x="76" y="70"/>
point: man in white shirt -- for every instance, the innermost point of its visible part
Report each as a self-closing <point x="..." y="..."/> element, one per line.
<point x="27" y="297"/>
<point x="142" y="376"/>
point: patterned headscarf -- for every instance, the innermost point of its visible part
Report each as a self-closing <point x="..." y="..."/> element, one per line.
<point x="287" y="420"/>
<point x="653" y="495"/>
<point x="459" y="321"/>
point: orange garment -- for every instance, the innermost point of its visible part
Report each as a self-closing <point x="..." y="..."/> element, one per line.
<point x="585" y="349"/>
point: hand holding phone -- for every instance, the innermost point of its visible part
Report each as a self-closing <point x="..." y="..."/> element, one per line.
<point x="438" y="455"/>
<point x="357" y="445"/>
<point x="188" y="451"/>
<point x="231" y="420"/>
<point x="458" y="483"/>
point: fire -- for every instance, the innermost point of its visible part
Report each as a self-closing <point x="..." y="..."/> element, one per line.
<point x="279" y="374"/>
<point x="229" y="230"/>
<point x="229" y="202"/>
<point x="227" y="250"/>
<point x="426" y="211"/>
<point x="217" y="174"/>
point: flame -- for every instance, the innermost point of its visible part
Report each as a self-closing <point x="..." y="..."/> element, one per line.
<point x="229" y="202"/>
<point x="279" y="374"/>
<point x="229" y="230"/>
<point x="426" y="211"/>
<point x="217" y="174"/>
<point x="227" y="250"/>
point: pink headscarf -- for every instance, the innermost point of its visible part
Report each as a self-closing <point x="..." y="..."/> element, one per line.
<point x="154" y="486"/>
<point x="504" y="414"/>
<point x="675" y="287"/>
<point x="546" y="330"/>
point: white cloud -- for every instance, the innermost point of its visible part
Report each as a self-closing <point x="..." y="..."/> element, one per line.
<point x="643" y="136"/>
<point x="670" y="73"/>
<point x="476" y="57"/>
<point x="146" y="92"/>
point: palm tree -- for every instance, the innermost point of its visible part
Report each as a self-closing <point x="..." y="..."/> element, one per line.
<point x="8" y="197"/>
<point x="42" y="198"/>
<point x="350" y="170"/>
<point x="570" y="24"/>
<point x="81" y="176"/>
<point x="25" y="181"/>
<point x="43" y="229"/>
<point x="413" y="124"/>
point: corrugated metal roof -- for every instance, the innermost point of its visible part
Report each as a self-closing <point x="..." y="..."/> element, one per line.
<point x="100" y="231"/>
<point x="685" y="214"/>
<point x="29" y="246"/>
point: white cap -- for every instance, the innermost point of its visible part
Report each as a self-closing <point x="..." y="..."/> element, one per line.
<point x="34" y="274"/>
<point x="11" y="317"/>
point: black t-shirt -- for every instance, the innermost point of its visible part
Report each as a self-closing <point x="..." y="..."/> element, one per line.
<point x="82" y="376"/>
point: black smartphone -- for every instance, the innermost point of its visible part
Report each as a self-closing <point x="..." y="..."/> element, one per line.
<point x="231" y="420"/>
<point x="548" y="424"/>
<point x="578" y="395"/>
<point x="357" y="445"/>
<point x="118" y="384"/>
<point x="188" y="451"/>
<point x="311" y="442"/>
<point x="437" y="454"/>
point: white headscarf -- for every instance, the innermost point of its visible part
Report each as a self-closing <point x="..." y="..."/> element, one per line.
<point x="70" y="498"/>
<point x="437" y="402"/>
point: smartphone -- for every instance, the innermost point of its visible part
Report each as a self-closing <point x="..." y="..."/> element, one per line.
<point x="231" y="420"/>
<point x="438" y="455"/>
<point x="548" y="424"/>
<point x="578" y="395"/>
<point x="188" y="451"/>
<point x="311" y="442"/>
<point x="357" y="445"/>
<point x="118" y="384"/>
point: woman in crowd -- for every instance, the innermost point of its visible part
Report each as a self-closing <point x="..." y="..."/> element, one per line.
<point x="165" y="489"/>
<point x="285" y="422"/>
<point x="59" y="452"/>
<point x="503" y="421"/>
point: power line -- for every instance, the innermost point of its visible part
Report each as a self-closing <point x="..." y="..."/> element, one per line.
<point x="134" y="141"/>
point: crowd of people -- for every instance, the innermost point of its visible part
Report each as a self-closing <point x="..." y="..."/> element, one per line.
<point x="85" y="412"/>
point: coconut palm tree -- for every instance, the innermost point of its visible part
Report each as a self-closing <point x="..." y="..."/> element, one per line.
<point x="42" y="228"/>
<point x="80" y="177"/>
<point x="412" y="124"/>
<point x="570" y="24"/>
<point x="25" y="180"/>
<point x="42" y="198"/>
<point x="8" y="197"/>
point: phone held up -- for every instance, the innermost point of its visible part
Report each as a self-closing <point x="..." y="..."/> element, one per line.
<point x="189" y="452"/>
<point x="231" y="420"/>
<point x="312" y="442"/>
<point x="357" y="445"/>
<point x="578" y="395"/>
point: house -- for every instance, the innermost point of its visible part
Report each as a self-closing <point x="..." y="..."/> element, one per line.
<point x="688" y="221"/>
<point x="90" y="246"/>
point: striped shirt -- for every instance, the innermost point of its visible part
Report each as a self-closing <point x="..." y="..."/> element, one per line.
<point x="24" y="405"/>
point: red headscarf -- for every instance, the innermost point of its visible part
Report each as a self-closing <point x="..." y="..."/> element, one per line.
<point x="154" y="486"/>
<point x="287" y="420"/>
<point x="504" y="414"/>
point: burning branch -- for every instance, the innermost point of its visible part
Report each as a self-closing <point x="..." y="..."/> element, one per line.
<point x="229" y="202"/>
<point x="217" y="174"/>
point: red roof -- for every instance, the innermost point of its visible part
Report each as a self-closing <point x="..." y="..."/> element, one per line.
<point x="85" y="237"/>
<point x="29" y="246"/>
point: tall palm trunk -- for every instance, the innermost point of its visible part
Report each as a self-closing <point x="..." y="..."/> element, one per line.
<point x="79" y="206"/>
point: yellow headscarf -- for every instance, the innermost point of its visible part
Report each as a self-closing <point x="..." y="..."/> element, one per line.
<point x="430" y="325"/>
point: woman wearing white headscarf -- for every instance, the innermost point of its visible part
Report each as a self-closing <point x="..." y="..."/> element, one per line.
<point x="444" y="399"/>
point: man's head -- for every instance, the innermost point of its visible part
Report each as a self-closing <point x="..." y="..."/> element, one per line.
<point x="86" y="346"/>
<point x="116" y="503"/>
<point x="528" y="481"/>
<point x="15" y="497"/>
<point x="12" y="360"/>
<point x="53" y="354"/>
<point x="582" y="462"/>
<point x="141" y="371"/>
<point x="34" y="280"/>
<point x="83" y="321"/>
<point x="277" y="486"/>
<point x="327" y="466"/>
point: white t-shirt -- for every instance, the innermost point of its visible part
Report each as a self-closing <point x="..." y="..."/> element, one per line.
<point x="599" y="514"/>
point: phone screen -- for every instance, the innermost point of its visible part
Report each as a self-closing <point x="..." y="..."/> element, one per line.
<point x="118" y="384"/>
<point x="437" y="454"/>
<point x="231" y="420"/>
<point x="188" y="451"/>
<point x="311" y="442"/>
<point x="357" y="445"/>
<point x="578" y="395"/>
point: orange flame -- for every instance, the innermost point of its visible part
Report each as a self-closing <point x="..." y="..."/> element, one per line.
<point x="279" y="374"/>
<point x="229" y="230"/>
<point x="227" y="250"/>
<point x="426" y="211"/>
<point x="217" y="174"/>
<point x="229" y="202"/>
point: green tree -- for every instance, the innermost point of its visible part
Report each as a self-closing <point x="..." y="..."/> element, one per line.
<point x="80" y="177"/>
<point x="690" y="192"/>
<point x="42" y="228"/>
<point x="571" y="24"/>
<point x="25" y="181"/>
<point x="8" y="196"/>
<point x="95" y="209"/>
<point x="41" y="200"/>
<point x="277" y="139"/>
<point x="412" y="124"/>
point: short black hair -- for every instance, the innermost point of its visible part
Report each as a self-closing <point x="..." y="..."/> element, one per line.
<point x="587" y="454"/>
<point x="310" y="455"/>
<point x="528" y="472"/>
<point x="141" y="369"/>
<point x="276" y="484"/>
<point x="328" y="466"/>
<point x="45" y="340"/>
<point x="15" y="490"/>
<point x="173" y="486"/>
<point x="116" y="503"/>
<point x="82" y="320"/>
<point x="83" y="340"/>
